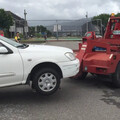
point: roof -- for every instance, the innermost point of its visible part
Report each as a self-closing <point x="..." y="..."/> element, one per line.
<point x="15" y="17"/>
<point x="19" y="21"/>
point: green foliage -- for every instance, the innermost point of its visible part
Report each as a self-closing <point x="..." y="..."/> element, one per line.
<point x="21" y="35"/>
<point x="6" y="33"/>
<point x="40" y="29"/>
<point x="38" y="35"/>
<point x="6" y="20"/>
<point x="117" y="15"/>
<point x="32" y="31"/>
<point x="103" y="17"/>
<point x="49" y="34"/>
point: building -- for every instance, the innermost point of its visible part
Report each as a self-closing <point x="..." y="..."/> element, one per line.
<point x="20" y="25"/>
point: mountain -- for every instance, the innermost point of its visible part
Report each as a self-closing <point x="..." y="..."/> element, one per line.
<point x="74" y="27"/>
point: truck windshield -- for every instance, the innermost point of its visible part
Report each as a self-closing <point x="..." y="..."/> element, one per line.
<point x="87" y="34"/>
<point x="11" y="42"/>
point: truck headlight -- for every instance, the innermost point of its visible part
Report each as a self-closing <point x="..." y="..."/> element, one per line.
<point x="70" y="56"/>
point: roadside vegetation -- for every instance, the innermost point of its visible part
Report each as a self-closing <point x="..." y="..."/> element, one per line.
<point x="104" y="18"/>
<point x="6" y="21"/>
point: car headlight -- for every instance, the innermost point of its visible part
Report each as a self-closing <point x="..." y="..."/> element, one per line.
<point x="70" y="55"/>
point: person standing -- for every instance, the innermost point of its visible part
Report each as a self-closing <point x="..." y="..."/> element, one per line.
<point x="2" y="32"/>
<point x="45" y="36"/>
<point x="17" y="37"/>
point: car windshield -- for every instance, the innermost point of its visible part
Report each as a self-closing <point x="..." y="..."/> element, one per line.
<point x="13" y="43"/>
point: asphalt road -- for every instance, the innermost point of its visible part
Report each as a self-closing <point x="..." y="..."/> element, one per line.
<point x="89" y="99"/>
<point x="69" y="44"/>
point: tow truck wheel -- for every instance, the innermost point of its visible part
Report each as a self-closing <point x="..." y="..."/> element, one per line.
<point x="46" y="81"/>
<point x="82" y="76"/>
<point x="116" y="76"/>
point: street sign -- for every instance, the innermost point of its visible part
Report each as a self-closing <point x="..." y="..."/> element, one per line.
<point x="12" y="29"/>
<point x="26" y="29"/>
<point x="20" y="29"/>
<point x="57" y="28"/>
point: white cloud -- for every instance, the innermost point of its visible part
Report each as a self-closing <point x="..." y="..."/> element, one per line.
<point x="60" y="9"/>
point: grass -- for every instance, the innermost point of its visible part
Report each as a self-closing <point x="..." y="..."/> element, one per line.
<point x="33" y="40"/>
<point x="41" y="40"/>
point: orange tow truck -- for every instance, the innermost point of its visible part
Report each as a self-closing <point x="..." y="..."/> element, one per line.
<point x="101" y="56"/>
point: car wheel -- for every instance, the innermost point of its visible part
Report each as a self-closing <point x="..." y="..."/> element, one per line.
<point x="46" y="81"/>
<point x="116" y="76"/>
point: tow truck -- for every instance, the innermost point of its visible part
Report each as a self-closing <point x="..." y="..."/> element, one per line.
<point x="101" y="56"/>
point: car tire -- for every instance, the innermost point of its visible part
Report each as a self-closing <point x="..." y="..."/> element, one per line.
<point x="46" y="81"/>
<point x="116" y="77"/>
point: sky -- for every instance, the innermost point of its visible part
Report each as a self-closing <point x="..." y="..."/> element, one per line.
<point x="60" y="9"/>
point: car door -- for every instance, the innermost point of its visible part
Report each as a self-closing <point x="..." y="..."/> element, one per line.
<point x="11" y="66"/>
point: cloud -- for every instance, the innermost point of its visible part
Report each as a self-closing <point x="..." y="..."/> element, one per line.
<point x="60" y="9"/>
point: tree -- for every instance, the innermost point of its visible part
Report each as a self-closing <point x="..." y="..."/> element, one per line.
<point x="6" y="20"/>
<point x="103" y="17"/>
<point x="117" y="15"/>
<point x="40" y="31"/>
<point x="32" y="30"/>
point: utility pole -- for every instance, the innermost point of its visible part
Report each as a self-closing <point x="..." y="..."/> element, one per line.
<point x="25" y="24"/>
<point x="15" y="22"/>
<point x="57" y="29"/>
<point x="101" y="28"/>
<point x="87" y="22"/>
<point x="25" y="14"/>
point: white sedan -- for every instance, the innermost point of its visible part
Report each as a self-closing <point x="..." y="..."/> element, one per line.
<point x="41" y="65"/>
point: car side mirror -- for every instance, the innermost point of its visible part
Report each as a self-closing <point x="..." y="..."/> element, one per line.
<point x="3" y="50"/>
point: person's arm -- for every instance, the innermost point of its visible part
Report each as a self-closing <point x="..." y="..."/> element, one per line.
<point x="16" y="39"/>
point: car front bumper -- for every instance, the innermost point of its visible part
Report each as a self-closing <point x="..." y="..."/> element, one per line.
<point x="70" y="68"/>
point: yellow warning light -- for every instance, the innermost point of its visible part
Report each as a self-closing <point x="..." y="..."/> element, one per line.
<point x="113" y="14"/>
